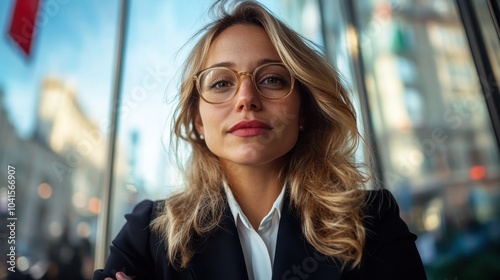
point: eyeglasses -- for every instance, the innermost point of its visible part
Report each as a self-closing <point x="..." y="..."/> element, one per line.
<point x="218" y="85"/>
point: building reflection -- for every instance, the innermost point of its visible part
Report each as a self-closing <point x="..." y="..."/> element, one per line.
<point x="433" y="132"/>
<point x="60" y="173"/>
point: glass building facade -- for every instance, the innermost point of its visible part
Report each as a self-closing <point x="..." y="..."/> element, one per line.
<point x="424" y="76"/>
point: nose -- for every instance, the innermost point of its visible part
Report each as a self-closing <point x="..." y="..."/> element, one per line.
<point x="247" y="97"/>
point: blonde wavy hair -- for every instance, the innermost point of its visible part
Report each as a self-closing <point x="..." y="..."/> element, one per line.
<point x="325" y="182"/>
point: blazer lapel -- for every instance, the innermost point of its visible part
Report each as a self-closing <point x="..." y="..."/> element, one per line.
<point x="294" y="257"/>
<point x="219" y="255"/>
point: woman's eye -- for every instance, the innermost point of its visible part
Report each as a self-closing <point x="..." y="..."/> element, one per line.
<point x="220" y="84"/>
<point x="272" y="80"/>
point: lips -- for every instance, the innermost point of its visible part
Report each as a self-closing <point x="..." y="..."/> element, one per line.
<point x="249" y="128"/>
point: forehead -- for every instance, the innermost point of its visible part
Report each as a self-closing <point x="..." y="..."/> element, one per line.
<point x="241" y="45"/>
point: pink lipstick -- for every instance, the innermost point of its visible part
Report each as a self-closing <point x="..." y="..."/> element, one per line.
<point x="249" y="128"/>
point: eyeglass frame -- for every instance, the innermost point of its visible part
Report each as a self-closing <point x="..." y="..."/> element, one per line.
<point x="238" y="76"/>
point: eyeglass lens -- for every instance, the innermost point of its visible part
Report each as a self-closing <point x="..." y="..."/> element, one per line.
<point x="272" y="81"/>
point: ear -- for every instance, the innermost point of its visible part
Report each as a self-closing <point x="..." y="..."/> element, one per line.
<point x="198" y="124"/>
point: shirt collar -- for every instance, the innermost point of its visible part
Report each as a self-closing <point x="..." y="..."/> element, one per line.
<point x="236" y="209"/>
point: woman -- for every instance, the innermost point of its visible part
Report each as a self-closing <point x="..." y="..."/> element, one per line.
<point x="273" y="190"/>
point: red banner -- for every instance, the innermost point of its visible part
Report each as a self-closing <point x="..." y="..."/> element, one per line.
<point x="23" y="25"/>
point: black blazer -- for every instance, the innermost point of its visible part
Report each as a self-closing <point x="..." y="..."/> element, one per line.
<point x="390" y="251"/>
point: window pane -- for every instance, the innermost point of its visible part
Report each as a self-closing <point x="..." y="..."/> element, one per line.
<point x="434" y="135"/>
<point x="51" y="108"/>
<point x="490" y="36"/>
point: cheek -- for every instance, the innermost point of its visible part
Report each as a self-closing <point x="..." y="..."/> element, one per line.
<point x="211" y="120"/>
<point x="286" y="121"/>
<point x="289" y="113"/>
<point x="291" y="118"/>
<point x="205" y="116"/>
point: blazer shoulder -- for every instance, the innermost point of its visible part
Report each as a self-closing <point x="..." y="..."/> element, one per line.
<point x="382" y="221"/>
<point x="130" y="251"/>
<point x="390" y="251"/>
<point x="379" y="203"/>
<point x="145" y="211"/>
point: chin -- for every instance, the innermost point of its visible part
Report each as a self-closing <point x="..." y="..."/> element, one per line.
<point x="256" y="158"/>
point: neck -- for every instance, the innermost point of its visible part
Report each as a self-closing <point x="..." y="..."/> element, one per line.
<point x="255" y="188"/>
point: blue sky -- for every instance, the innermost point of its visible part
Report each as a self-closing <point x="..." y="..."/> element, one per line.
<point x="76" y="43"/>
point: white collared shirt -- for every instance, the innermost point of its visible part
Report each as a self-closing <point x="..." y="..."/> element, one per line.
<point x="258" y="246"/>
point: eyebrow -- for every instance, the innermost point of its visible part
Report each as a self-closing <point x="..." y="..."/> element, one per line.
<point x="232" y="64"/>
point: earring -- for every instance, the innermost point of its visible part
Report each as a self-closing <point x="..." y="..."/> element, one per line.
<point x="202" y="137"/>
<point x="301" y="127"/>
